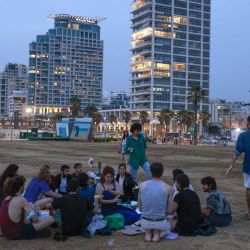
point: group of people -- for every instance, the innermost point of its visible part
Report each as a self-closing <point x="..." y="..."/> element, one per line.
<point x="76" y="198"/>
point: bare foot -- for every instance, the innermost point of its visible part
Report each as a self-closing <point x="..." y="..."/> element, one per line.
<point x="156" y="236"/>
<point x="148" y="235"/>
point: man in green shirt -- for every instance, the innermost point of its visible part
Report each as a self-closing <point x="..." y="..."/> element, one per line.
<point x="135" y="147"/>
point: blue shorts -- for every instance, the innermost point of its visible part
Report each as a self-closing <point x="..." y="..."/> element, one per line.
<point x="28" y="232"/>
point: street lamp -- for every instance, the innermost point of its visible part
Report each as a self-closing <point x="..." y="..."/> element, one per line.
<point x="105" y="128"/>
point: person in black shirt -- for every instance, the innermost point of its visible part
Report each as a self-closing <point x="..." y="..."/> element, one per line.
<point x="74" y="210"/>
<point x="61" y="180"/>
<point x="126" y="184"/>
<point x="187" y="206"/>
<point x="78" y="170"/>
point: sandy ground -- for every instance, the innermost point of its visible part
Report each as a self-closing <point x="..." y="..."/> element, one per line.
<point x="196" y="161"/>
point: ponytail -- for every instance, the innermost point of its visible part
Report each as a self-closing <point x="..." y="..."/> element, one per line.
<point x="13" y="185"/>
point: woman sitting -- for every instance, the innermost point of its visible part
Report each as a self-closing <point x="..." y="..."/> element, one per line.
<point x="14" y="209"/>
<point x="10" y="172"/>
<point x="39" y="186"/>
<point x="108" y="190"/>
<point x="126" y="183"/>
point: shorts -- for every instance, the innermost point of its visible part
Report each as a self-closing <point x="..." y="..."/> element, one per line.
<point x="163" y="225"/>
<point x="28" y="232"/>
<point x="246" y="178"/>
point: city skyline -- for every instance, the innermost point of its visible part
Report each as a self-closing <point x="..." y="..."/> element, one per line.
<point x="229" y="42"/>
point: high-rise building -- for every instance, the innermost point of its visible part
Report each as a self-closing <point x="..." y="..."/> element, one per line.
<point x="14" y="78"/>
<point x="170" y="53"/>
<point x="66" y="62"/>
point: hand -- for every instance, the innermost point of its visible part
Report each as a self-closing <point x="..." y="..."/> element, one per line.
<point x="117" y="200"/>
<point x="35" y="218"/>
<point x="229" y="170"/>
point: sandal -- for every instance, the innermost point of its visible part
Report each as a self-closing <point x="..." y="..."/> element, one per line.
<point x="59" y="236"/>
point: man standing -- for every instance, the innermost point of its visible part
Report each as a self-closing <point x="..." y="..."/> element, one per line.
<point x="135" y="147"/>
<point x="243" y="146"/>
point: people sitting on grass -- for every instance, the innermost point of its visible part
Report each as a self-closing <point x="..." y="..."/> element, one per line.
<point x="10" y="172"/>
<point x="39" y="187"/>
<point x="126" y="183"/>
<point x="187" y="206"/>
<point x="87" y="189"/>
<point x="109" y="191"/>
<point x="155" y="199"/>
<point x="175" y="173"/>
<point x="78" y="170"/>
<point x="217" y="212"/>
<point x="74" y="210"/>
<point x="14" y="209"/>
<point x="62" y="179"/>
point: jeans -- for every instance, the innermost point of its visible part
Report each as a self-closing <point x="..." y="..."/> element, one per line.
<point x="218" y="220"/>
<point x="146" y="167"/>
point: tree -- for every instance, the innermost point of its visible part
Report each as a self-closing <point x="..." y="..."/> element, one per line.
<point x="75" y="107"/>
<point x="196" y="94"/>
<point x="165" y="117"/>
<point x="91" y="111"/>
<point x="204" y="117"/>
<point x="56" y="117"/>
<point x="214" y="130"/>
<point x="143" y="118"/>
<point x="113" y="120"/>
<point x="185" y="118"/>
<point x="127" y="117"/>
<point x="97" y="119"/>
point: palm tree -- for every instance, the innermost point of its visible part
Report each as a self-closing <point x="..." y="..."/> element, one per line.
<point x="127" y="117"/>
<point x="196" y="94"/>
<point x="185" y="118"/>
<point x="165" y="117"/>
<point x="113" y="120"/>
<point x="75" y="106"/>
<point x="91" y="111"/>
<point x="204" y="117"/>
<point x="143" y="118"/>
<point x="56" y="117"/>
<point x="97" y="119"/>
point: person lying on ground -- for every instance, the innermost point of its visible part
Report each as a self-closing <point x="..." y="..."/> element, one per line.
<point x="155" y="199"/>
<point x="39" y="187"/>
<point x="15" y="208"/>
<point x="218" y="211"/>
<point x="187" y="206"/>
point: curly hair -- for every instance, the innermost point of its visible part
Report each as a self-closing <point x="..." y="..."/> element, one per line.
<point x="107" y="170"/>
<point x="9" y="172"/>
<point x="13" y="185"/>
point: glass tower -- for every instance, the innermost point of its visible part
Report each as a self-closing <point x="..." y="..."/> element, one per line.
<point x="66" y="62"/>
<point x="13" y="78"/>
<point x="170" y="53"/>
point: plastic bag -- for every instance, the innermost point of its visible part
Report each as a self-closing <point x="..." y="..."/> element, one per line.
<point x="115" y="221"/>
<point x="97" y="223"/>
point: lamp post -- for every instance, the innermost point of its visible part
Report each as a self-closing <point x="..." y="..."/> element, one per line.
<point x="105" y="128"/>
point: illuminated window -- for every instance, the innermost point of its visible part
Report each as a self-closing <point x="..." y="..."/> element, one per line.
<point x="160" y="73"/>
<point x="179" y="19"/>
<point x="142" y="33"/>
<point x="179" y="67"/>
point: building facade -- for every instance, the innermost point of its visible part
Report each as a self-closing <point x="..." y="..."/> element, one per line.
<point x="64" y="63"/>
<point x="170" y="53"/>
<point x="230" y="115"/>
<point x="14" y="78"/>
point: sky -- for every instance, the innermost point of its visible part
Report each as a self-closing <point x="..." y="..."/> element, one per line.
<point x="22" y="20"/>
